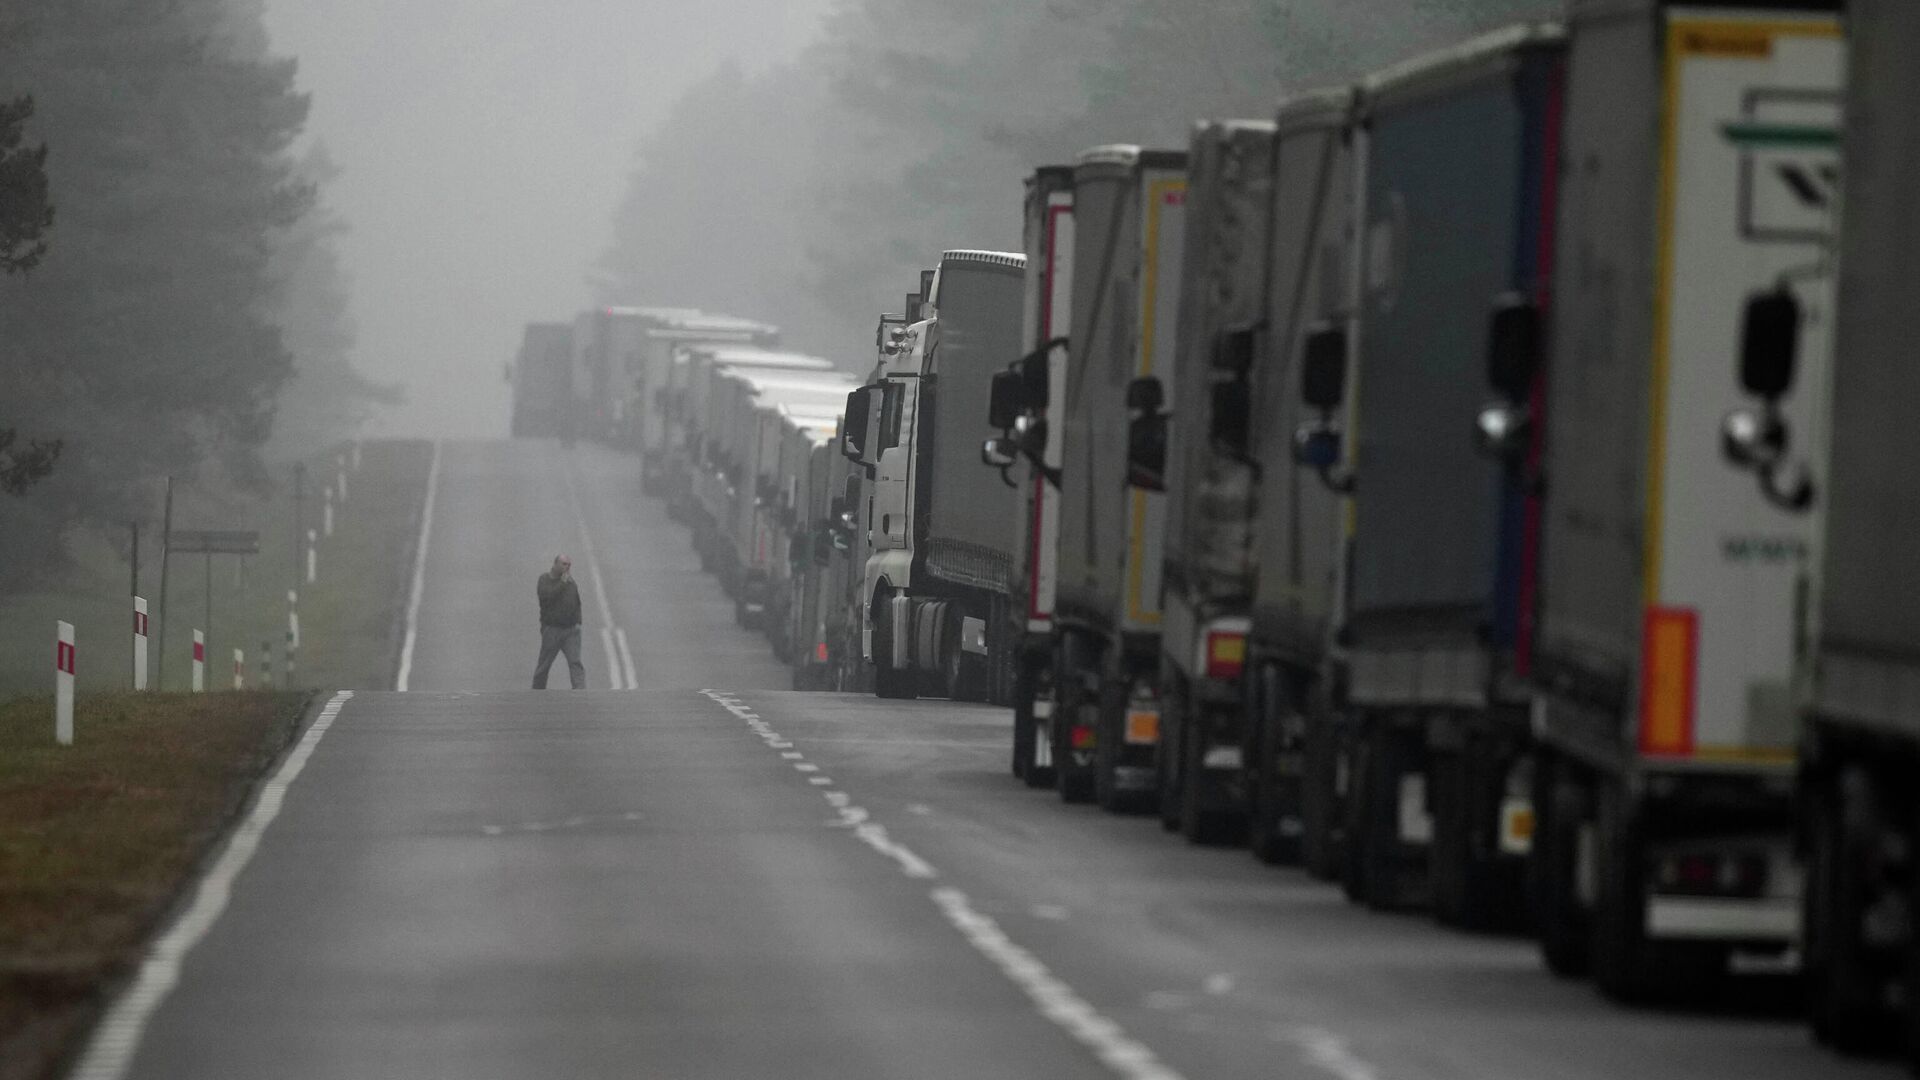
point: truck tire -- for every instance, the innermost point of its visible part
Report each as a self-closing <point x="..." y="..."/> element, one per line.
<point x="1376" y="876"/>
<point x="1320" y="825"/>
<point x="892" y="683"/>
<point x="1272" y="794"/>
<point x="1844" y="996"/>
<point x="1198" y="824"/>
<point x="1470" y="887"/>
<point x="1167" y="763"/>
<point x="1107" y="746"/>
<point x="1075" y="784"/>
<point x="1024" y="725"/>
<point x="1561" y="922"/>
<point x="1627" y="965"/>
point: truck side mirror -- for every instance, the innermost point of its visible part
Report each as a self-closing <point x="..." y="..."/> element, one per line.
<point x="1146" y="395"/>
<point x="1147" y="451"/>
<point x="1233" y="351"/>
<point x="1037" y="368"/>
<point x="1230" y="417"/>
<point x="1513" y="347"/>
<point x="1770" y="344"/>
<point x="1007" y="401"/>
<point x="1323" y="368"/>
<point x="853" y="427"/>
<point x="997" y="453"/>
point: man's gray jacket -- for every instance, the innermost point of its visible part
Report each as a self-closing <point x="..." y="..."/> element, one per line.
<point x="559" y="601"/>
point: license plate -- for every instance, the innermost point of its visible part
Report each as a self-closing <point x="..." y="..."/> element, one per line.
<point x="1143" y="727"/>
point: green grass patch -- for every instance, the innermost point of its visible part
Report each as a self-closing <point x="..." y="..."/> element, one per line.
<point x="97" y="839"/>
<point x="348" y="617"/>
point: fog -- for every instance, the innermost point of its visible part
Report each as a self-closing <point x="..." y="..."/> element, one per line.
<point x="483" y="146"/>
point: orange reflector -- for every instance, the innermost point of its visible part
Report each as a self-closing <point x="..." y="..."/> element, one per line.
<point x="1226" y="655"/>
<point x="1670" y="651"/>
<point x="1143" y="726"/>
<point x="820" y="652"/>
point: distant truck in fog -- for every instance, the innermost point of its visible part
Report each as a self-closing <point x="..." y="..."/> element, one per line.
<point x="542" y="383"/>
<point x="622" y="357"/>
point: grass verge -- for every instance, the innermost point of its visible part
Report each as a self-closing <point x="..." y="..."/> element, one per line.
<point x="347" y="617"/>
<point x="98" y="839"/>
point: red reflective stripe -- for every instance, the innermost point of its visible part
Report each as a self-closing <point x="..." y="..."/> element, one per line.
<point x="64" y="656"/>
<point x="199" y="652"/>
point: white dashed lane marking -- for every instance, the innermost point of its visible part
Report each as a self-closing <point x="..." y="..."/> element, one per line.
<point x="1052" y="998"/>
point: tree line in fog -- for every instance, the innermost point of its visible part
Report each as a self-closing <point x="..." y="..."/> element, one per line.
<point x="810" y="194"/>
<point x="184" y="312"/>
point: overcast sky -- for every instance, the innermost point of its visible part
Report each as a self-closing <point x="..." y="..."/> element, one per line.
<point x="485" y="144"/>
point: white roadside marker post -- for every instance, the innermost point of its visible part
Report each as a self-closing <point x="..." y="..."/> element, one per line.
<point x="63" y="669"/>
<point x="199" y="661"/>
<point x="293" y="632"/>
<point x="313" y="556"/>
<point x="139" y="643"/>
<point x="239" y="670"/>
<point x="326" y="515"/>
<point x="340" y="476"/>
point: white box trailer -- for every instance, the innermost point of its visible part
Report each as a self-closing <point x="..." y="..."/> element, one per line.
<point x="620" y="359"/>
<point x="1300" y="526"/>
<point x="1859" y="686"/>
<point x="1209" y="484"/>
<point x="747" y="434"/>
<point x="1670" y="584"/>
<point x="1129" y="230"/>
<point x="1456" y="265"/>
<point x="690" y="455"/>
<point x="1026" y="402"/>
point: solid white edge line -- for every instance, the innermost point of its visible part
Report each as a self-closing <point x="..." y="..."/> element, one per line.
<point x="112" y="1045"/>
<point x="626" y="658"/>
<point x="405" y="675"/>
<point x="613" y="658"/>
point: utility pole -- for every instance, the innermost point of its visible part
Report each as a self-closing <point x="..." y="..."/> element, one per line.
<point x="166" y="542"/>
<point x="135" y="590"/>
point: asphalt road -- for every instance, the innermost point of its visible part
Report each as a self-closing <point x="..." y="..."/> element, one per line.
<point x="474" y="880"/>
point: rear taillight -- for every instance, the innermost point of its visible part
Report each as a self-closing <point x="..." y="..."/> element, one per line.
<point x="1226" y="654"/>
<point x="820" y="652"/>
<point x="1711" y="873"/>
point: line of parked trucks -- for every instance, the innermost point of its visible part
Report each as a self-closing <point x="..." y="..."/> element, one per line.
<point x="1483" y="485"/>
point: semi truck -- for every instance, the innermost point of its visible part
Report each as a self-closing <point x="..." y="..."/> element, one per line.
<point x="1455" y="269"/>
<point x="1129" y="213"/>
<point x="936" y="577"/>
<point x="1294" y="761"/>
<point x="1670" y="583"/>
<point x="691" y="475"/>
<point x="1858" y="645"/>
<point x="1027" y="451"/>
<point x="750" y="402"/>
<point x="1209" y="485"/>
<point x="543" y="382"/>
<point x="620" y="359"/>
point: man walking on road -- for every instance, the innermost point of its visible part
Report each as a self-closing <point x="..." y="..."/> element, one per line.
<point x="559" y="623"/>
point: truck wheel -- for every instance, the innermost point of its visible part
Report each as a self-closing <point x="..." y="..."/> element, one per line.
<point x="1167" y="761"/>
<point x="1843" y="985"/>
<point x="1376" y="876"/>
<point x="1319" y="798"/>
<point x="894" y="684"/>
<point x="1269" y="785"/>
<point x="1353" y="870"/>
<point x="1074" y="782"/>
<point x="1107" y="744"/>
<point x="1198" y="824"/>
<point x="1627" y="965"/>
<point x="1024" y="723"/>
<point x="1560" y="920"/>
